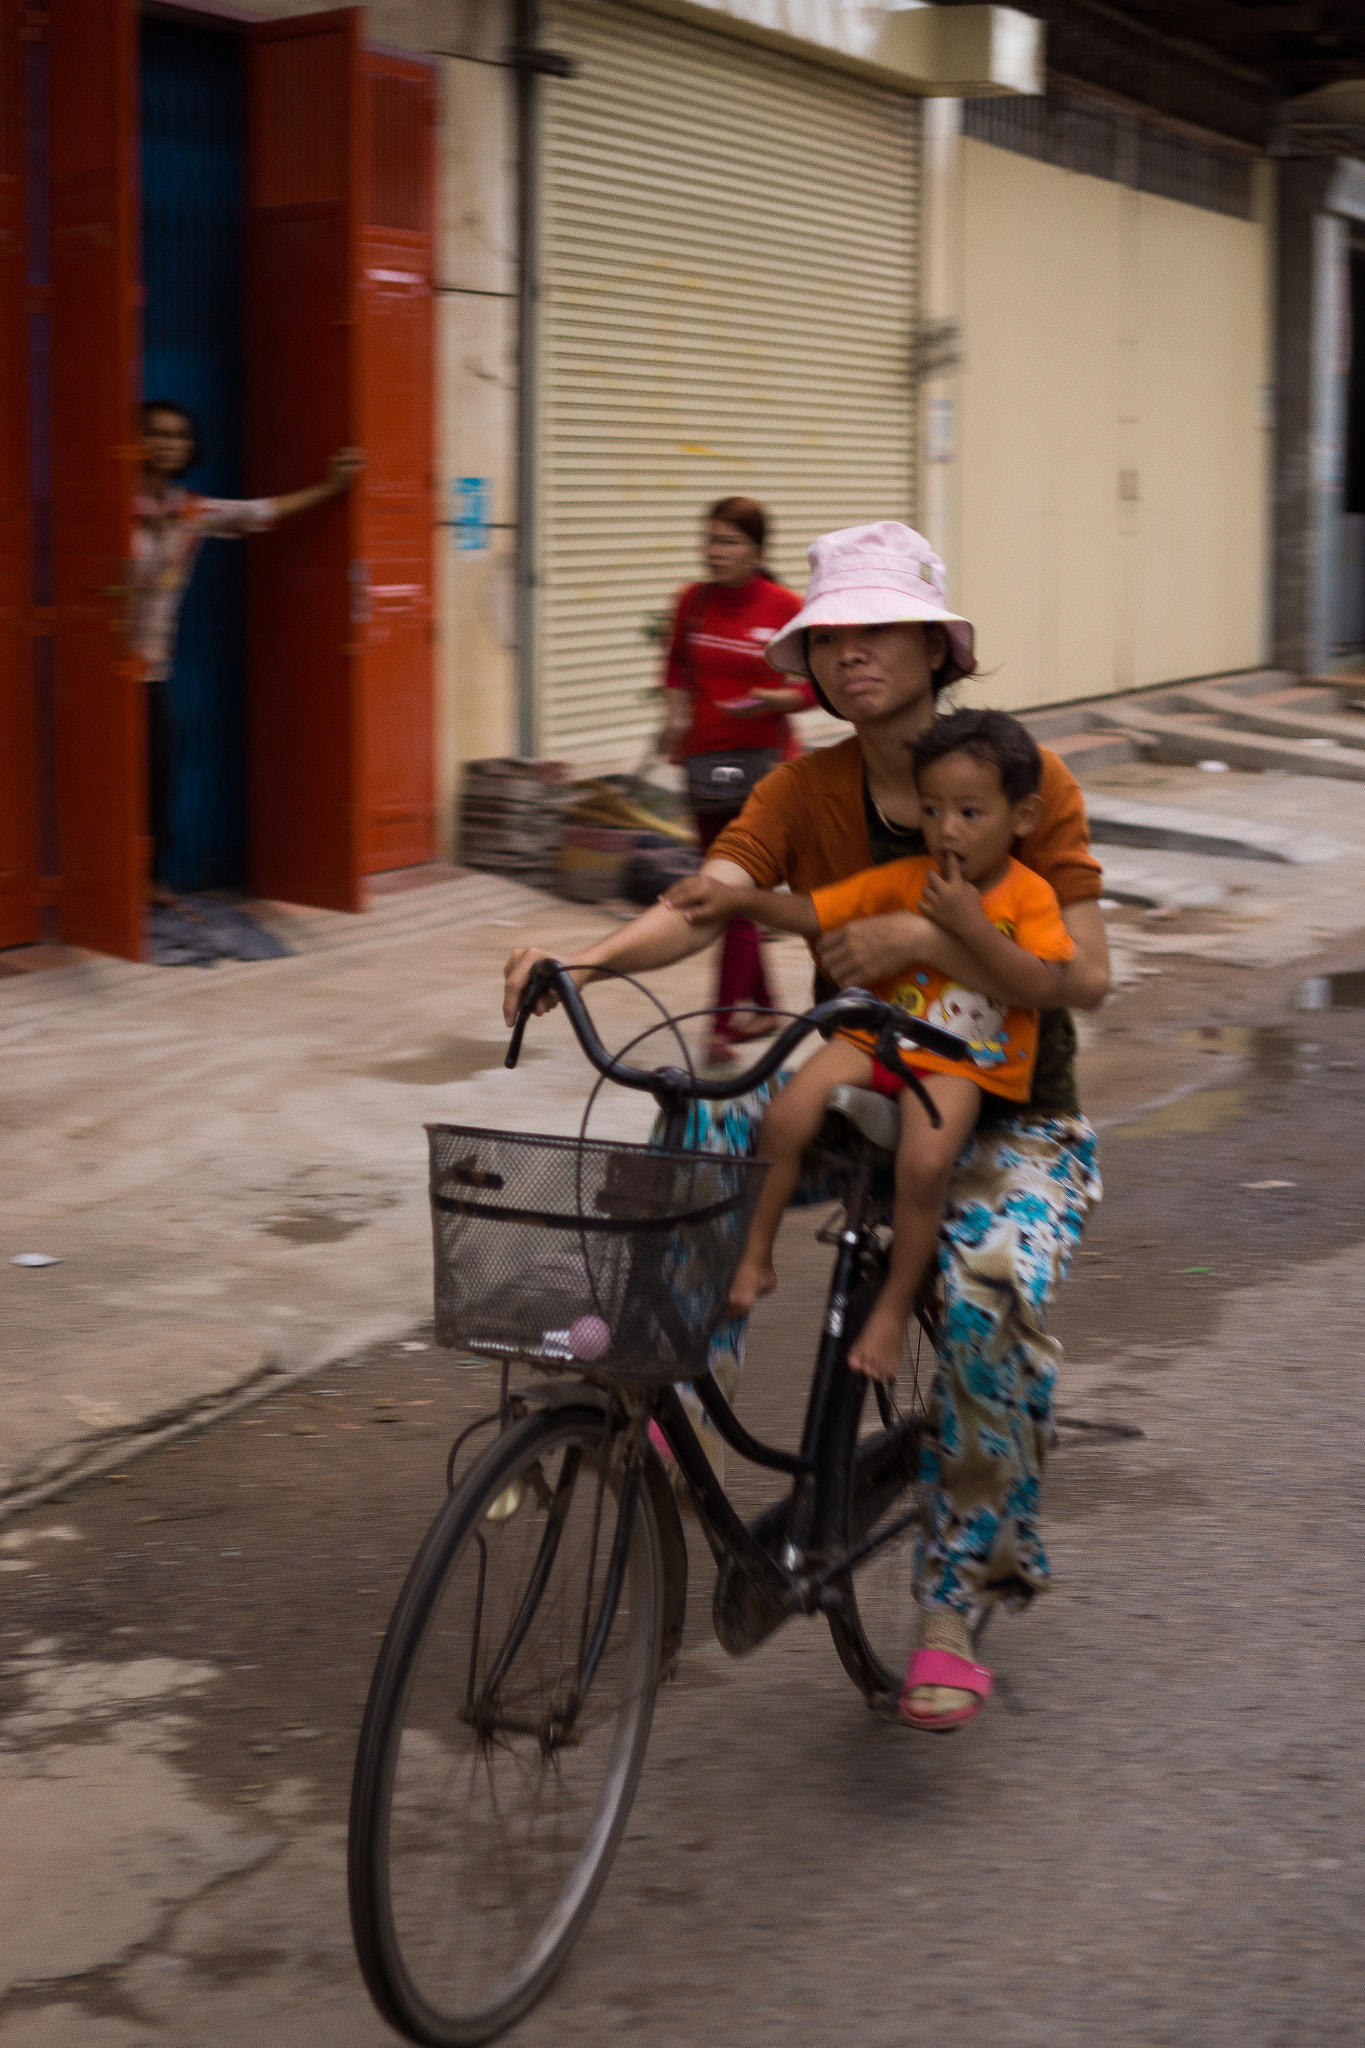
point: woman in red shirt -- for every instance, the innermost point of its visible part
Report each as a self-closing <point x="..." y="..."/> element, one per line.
<point x="722" y="704"/>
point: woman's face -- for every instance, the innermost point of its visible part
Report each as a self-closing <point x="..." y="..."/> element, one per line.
<point x="729" y="554"/>
<point x="871" y="673"/>
<point x="167" y="445"/>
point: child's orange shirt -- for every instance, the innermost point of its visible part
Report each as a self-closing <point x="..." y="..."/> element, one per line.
<point x="1004" y="1042"/>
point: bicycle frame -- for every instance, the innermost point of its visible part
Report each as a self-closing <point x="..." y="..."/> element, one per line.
<point x="798" y="1567"/>
<point x="795" y="1556"/>
<point x="525" y="1650"/>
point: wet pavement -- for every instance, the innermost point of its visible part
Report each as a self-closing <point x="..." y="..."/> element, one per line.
<point x="1153" y="1836"/>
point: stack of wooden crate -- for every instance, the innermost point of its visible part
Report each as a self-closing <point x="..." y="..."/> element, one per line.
<point x="511" y="817"/>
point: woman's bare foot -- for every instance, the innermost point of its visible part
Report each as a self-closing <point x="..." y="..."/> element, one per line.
<point x="753" y="1279"/>
<point x="942" y="1629"/>
<point x="879" y="1346"/>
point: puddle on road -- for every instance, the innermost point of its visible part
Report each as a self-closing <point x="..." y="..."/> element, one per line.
<point x="1273" y="1052"/>
<point x="314" y="1229"/>
<point x="450" y="1059"/>
<point x="327" y="1218"/>
<point x="1196" y="1115"/>
<point x="1273" y="1056"/>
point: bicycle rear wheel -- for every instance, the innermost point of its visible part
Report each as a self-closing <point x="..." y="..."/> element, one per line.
<point x="874" y="1622"/>
<point x="495" y="1771"/>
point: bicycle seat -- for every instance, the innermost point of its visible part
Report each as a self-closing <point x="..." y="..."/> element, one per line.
<point x="876" y="1118"/>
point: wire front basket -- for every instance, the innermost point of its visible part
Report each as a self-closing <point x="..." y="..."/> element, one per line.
<point x="581" y="1254"/>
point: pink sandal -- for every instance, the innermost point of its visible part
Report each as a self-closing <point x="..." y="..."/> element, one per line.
<point x="942" y="1667"/>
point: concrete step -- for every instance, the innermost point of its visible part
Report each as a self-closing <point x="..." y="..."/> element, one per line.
<point x="1271" y="714"/>
<point x="1088" y="753"/>
<point x="1157" y="878"/>
<point x="1132" y="821"/>
<point x="1250" y="682"/>
<point x="1163" y="698"/>
<point x="1298" y="697"/>
<point x="1183" y="737"/>
<point x="1165" y="881"/>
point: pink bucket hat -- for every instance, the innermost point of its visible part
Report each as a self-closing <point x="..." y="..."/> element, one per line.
<point x="872" y="576"/>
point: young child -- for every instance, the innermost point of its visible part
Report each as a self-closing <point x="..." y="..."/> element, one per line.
<point x="977" y="775"/>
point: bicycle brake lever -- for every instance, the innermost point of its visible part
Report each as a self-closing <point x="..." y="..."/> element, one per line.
<point x="914" y="1082"/>
<point x="537" y="981"/>
<point x="513" y="1053"/>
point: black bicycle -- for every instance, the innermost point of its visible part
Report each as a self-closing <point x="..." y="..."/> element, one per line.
<point x="510" y="1708"/>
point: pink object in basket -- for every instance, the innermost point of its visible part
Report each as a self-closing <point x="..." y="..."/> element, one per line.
<point x="590" y="1339"/>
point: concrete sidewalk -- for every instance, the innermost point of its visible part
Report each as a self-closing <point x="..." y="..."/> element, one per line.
<point x="230" y="1163"/>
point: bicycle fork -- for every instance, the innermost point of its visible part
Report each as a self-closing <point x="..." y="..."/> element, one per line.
<point x="558" y="1725"/>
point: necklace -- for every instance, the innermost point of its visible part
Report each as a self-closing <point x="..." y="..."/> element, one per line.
<point x="889" y="824"/>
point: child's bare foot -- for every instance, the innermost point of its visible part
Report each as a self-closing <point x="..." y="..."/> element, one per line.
<point x="879" y="1346"/>
<point x="753" y="1279"/>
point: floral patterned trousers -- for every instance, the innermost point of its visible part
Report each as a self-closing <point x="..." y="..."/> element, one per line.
<point x="1016" y="1208"/>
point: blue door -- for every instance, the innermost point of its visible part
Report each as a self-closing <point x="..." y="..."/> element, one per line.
<point x="193" y="205"/>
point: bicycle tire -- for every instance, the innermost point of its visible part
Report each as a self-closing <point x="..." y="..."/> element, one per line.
<point x="873" y="1617"/>
<point x="481" y="1832"/>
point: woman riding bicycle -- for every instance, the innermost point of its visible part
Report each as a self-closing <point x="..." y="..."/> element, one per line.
<point x="878" y="643"/>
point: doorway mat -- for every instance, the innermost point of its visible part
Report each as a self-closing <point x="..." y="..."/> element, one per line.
<point x="199" y="931"/>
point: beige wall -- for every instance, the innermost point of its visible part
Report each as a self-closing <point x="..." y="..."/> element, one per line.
<point x="1112" y="445"/>
<point x="476" y="387"/>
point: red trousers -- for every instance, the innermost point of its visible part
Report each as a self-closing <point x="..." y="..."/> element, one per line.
<point x="743" y="983"/>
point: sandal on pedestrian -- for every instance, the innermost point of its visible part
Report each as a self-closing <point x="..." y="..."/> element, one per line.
<point x="944" y="1668"/>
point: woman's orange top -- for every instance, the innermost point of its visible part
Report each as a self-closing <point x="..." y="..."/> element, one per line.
<point x="806" y="825"/>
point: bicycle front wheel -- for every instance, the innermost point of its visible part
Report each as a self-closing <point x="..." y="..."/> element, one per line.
<point x="498" y="1760"/>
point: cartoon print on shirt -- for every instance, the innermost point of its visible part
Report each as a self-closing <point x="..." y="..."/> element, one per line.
<point x="908" y="996"/>
<point x="973" y="1017"/>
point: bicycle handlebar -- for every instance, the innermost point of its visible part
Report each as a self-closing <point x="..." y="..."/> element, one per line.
<point x="671" y="1087"/>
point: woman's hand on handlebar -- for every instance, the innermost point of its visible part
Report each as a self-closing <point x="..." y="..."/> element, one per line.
<point x="515" y="975"/>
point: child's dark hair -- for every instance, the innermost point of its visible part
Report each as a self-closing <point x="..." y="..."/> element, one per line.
<point x="991" y="736"/>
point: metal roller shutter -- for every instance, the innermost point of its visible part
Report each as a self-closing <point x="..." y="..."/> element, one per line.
<point x="728" y="256"/>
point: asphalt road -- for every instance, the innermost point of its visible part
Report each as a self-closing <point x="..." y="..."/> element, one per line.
<point x="1153" y="1835"/>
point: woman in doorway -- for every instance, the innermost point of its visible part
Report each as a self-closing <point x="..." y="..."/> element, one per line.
<point x="170" y="525"/>
<point x="878" y="643"/>
<point x="726" y="722"/>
